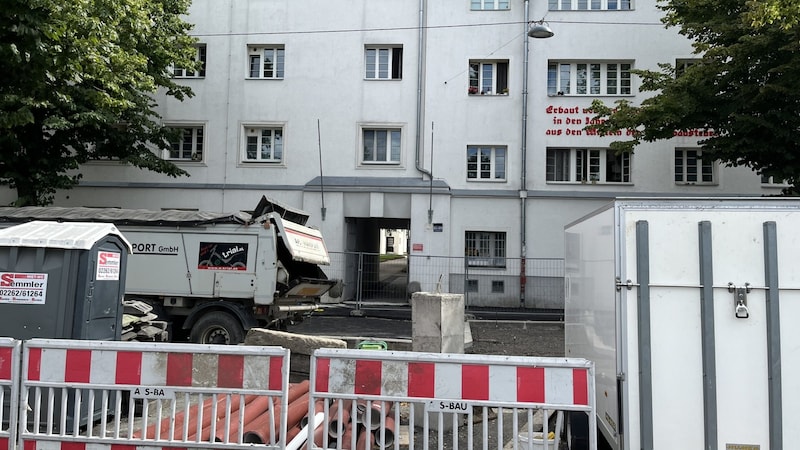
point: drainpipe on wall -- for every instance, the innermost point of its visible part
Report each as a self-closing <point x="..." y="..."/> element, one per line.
<point x="420" y="89"/>
<point x="523" y="188"/>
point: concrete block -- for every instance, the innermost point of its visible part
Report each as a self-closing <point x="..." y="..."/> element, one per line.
<point x="297" y="343"/>
<point x="437" y="322"/>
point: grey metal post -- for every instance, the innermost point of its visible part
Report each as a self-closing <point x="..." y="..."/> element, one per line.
<point x="707" y="336"/>
<point x="774" y="387"/>
<point x="645" y="339"/>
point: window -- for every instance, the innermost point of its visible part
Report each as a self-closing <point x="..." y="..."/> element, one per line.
<point x="772" y="182"/>
<point x="587" y="164"/>
<point x="381" y="145"/>
<point x="594" y="5"/>
<point x="589" y="78"/>
<point x="263" y="144"/>
<point x="682" y="64"/>
<point x="485" y="248"/>
<point x="486" y="163"/>
<point x="472" y="285"/>
<point x="383" y="63"/>
<point x="691" y="169"/>
<point x="478" y="5"/>
<point x="498" y="286"/>
<point x="188" y="145"/>
<point x="200" y="55"/>
<point x="488" y="77"/>
<point x="266" y="62"/>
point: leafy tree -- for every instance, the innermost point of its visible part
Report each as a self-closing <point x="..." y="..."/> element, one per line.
<point x="745" y="86"/>
<point x="78" y="82"/>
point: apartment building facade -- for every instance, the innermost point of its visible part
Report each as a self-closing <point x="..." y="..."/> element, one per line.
<point x="442" y="118"/>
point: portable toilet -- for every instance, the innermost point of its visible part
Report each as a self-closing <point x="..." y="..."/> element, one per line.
<point x="62" y="280"/>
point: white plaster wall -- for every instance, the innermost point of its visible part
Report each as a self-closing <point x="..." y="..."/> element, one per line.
<point x="324" y="80"/>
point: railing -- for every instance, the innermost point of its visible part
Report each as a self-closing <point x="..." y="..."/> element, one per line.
<point x="490" y="283"/>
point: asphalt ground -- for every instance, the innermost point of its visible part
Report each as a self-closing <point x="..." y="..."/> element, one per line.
<point x="490" y="337"/>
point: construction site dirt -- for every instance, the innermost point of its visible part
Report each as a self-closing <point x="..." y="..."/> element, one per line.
<point x="488" y="337"/>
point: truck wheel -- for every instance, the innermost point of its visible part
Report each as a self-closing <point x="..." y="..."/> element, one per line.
<point x="217" y="328"/>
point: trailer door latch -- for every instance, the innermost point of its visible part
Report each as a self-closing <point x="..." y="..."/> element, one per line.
<point x="740" y="300"/>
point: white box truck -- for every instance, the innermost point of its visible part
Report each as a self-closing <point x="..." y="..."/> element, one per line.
<point x="214" y="275"/>
<point x="687" y="308"/>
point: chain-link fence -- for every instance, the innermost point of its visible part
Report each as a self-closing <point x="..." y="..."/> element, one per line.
<point x="485" y="282"/>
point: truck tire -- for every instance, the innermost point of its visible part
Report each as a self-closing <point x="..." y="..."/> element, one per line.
<point x="216" y="327"/>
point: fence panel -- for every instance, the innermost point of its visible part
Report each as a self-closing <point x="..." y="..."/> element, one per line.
<point x="368" y="399"/>
<point x="102" y="393"/>
<point x="495" y="283"/>
<point x="9" y="389"/>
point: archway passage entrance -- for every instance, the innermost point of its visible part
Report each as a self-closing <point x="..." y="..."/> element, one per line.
<point x="372" y="271"/>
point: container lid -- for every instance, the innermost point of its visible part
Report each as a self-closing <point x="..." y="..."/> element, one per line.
<point x="69" y="235"/>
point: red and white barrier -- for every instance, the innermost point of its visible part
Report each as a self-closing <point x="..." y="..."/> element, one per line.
<point x="147" y="394"/>
<point x="550" y="383"/>
<point x="443" y="391"/>
<point x="9" y="388"/>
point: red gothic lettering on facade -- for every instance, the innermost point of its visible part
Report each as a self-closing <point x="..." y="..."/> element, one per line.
<point x="565" y="123"/>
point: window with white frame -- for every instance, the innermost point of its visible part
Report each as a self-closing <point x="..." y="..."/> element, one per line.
<point x="263" y="144"/>
<point x="589" y="78"/>
<point x="489" y="5"/>
<point x="581" y="165"/>
<point x="383" y="63"/>
<point x="188" y="144"/>
<point x="590" y="5"/>
<point x="488" y="77"/>
<point x="381" y="145"/>
<point x="266" y="62"/>
<point x="485" y="248"/>
<point x="485" y="163"/>
<point x="690" y="168"/>
<point x="200" y="55"/>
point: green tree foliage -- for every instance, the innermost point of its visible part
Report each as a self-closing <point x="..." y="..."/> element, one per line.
<point x="78" y="80"/>
<point x="745" y="86"/>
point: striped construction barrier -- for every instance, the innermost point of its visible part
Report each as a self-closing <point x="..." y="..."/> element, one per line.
<point x="9" y="388"/>
<point x="447" y="391"/>
<point x="96" y="394"/>
<point x="101" y="395"/>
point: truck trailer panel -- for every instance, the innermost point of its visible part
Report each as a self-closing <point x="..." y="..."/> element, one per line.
<point x="685" y="306"/>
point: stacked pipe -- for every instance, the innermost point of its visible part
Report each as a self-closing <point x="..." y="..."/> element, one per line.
<point x="255" y="419"/>
<point x="358" y="425"/>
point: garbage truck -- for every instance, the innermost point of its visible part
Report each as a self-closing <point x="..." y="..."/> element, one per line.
<point x="687" y="308"/>
<point x="213" y="276"/>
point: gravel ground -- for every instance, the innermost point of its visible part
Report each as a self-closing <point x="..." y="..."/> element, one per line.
<point x="489" y="337"/>
<point x="517" y="338"/>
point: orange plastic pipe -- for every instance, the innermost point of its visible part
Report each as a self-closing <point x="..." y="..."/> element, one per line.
<point x="257" y="401"/>
<point x="389" y="433"/>
<point x="361" y="443"/>
<point x="251" y="410"/>
<point x="180" y="419"/>
<point x="261" y="429"/>
<point x="292" y="432"/>
<point x="296" y="390"/>
<point x="334" y="428"/>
